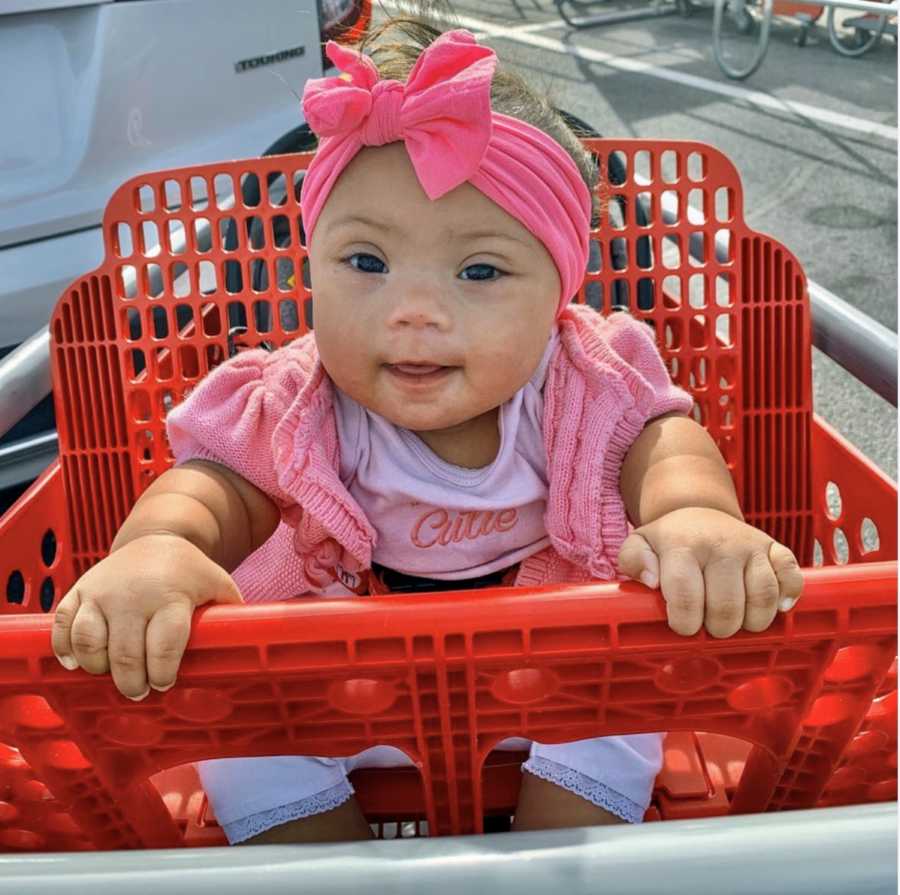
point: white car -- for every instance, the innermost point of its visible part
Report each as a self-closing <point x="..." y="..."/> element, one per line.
<point x="96" y="91"/>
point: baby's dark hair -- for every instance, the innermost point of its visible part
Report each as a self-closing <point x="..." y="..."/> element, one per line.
<point x="395" y="44"/>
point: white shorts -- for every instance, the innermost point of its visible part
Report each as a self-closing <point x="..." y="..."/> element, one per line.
<point x="251" y="795"/>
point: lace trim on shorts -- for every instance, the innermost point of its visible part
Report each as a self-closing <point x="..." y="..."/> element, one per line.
<point x="253" y="824"/>
<point x="599" y="794"/>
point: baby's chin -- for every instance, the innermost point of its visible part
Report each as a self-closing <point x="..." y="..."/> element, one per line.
<point x="424" y="419"/>
<point x="438" y="415"/>
<point x="431" y="410"/>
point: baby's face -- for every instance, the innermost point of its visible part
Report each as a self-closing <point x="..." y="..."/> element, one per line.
<point x="427" y="313"/>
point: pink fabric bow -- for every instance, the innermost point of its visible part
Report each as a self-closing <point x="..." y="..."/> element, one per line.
<point x="443" y="114"/>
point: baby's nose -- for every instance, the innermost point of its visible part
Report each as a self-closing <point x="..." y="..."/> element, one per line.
<point x="419" y="308"/>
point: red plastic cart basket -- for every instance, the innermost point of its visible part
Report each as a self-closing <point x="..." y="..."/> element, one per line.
<point x="803" y="714"/>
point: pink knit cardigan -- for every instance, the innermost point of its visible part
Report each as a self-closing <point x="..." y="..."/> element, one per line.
<point x="270" y="418"/>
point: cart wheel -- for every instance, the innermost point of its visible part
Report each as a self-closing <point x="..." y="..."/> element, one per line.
<point x="741" y="35"/>
<point x="857" y="41"/>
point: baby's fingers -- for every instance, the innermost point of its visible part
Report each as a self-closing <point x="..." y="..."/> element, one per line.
<point x="637" y="560"/>
<point x="725" y="597"/>
<point x="61" y="632"/>
<point x="681" y="582"/>
<point x="167" y="637"/>
<point x="89" y="638"/>
<point x="762" y="590"/>
<point x="127" y="657"/>
<point x="787" y="570"/>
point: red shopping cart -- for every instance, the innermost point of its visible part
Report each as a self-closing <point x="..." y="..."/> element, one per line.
<point x="202" y="262"/>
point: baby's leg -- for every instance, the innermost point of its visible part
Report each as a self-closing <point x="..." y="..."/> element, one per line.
<point x="589" y="782"/>
<point x="345" y="823"/>
<point x="283" y="798"/>
<point x="295" y="799"/>
<point x="546" y="806"/>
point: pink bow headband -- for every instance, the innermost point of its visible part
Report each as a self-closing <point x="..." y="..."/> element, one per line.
<point x="443" y="114"/>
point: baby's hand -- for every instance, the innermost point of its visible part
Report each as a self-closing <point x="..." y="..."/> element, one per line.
<point x="713" y="570"/>
<point x="131" y="613"/>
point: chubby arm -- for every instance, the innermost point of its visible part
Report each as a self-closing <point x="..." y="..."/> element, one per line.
<point x="219" y="512"/>
<point x="691" y="540"/>
<point x="674" y="463"/>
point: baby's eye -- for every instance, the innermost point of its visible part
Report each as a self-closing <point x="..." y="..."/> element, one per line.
<point x="481" y="272"/>
<point x="366" y="263"/>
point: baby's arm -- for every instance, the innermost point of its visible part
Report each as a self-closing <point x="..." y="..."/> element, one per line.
<point x="691" y="539"/>
<point x="131" y="613"/>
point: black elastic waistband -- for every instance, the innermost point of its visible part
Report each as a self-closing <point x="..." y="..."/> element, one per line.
<point x="400" y="582"/>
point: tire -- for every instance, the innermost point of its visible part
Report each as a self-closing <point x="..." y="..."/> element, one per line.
<point x="863" y="40"/>
<point x="754" y="26"/>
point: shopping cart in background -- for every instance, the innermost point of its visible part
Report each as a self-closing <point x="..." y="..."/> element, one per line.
<point x="741" y="28"/>
<point x="205" y="261"/>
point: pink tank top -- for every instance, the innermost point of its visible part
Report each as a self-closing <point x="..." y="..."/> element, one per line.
<point x="437" y="520"/>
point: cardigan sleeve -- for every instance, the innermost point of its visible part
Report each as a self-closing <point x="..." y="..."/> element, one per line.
<point x="642" y="367"/>
<point x="607" y="384"/>
<point x="646" y="378"/>
<point x="231" y="417"/>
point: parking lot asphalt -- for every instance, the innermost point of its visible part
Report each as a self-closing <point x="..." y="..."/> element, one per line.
<point x="813" y="135"/>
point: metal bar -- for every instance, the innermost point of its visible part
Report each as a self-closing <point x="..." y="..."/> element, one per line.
<point x="24" y="379"/>
<point x="826" y="851"/>
<point x="859" y="5"/>
<point x="861" y="345"/>
<point x="581" y="4"/>
<point x="26" y="459"/>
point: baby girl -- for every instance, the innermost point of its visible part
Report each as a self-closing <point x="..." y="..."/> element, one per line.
<point x="453" y="422"/>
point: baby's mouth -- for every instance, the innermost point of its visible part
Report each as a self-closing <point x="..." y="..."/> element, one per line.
<point x="418" y="374"/>
<point x="417" y="369"/>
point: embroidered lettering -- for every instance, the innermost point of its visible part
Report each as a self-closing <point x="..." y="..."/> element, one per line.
<point x="436" y="524"/>
<point x="439" y="527"/>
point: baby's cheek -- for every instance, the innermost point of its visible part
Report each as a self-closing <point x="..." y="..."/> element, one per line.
<point x="500" y="373"/>
<point x="347" y="352"/>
